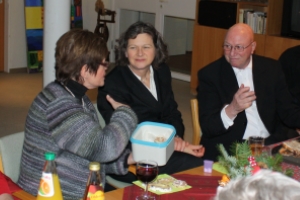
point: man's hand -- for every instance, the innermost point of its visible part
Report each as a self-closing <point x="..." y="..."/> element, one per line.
<point x="242" y="100"/>
<point x="114" y="103"/>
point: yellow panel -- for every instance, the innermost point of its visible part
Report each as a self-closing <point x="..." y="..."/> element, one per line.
<point x="40" y="55"/>
<point x="34" y="17"/>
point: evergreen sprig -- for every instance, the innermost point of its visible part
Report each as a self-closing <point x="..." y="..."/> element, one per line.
<point x="237" y="163"/>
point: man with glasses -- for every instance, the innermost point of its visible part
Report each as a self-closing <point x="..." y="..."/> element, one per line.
<point x="242" y="95"/>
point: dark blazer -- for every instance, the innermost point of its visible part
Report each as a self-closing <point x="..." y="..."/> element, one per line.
<point x="126" y="88"/>
<point x="290" y="61"/>
<point x="217" y="86"/>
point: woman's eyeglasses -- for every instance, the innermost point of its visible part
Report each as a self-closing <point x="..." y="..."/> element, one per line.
<point x="105" y="64"/>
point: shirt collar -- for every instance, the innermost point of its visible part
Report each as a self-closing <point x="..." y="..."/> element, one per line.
<point x="249" y="67"/>
<point x="151" y="73"/>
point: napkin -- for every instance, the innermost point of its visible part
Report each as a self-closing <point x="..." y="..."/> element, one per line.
<point x="219" y="168"/>
<point x="7" y="185"/>
<point x="161" y="176"/>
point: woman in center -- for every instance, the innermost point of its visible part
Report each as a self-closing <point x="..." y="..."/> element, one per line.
<point x="142" y="80"/>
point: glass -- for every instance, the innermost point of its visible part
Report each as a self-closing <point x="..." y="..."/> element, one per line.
<point x="238" y="48"/>
<point x="256" y="145"/>
<point x="208" y="164"/>
<point x="146" y="171"/>
<point x="178" y="34"/>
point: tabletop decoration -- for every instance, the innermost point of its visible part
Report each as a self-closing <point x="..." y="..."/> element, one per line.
<point x="241" y="163"/>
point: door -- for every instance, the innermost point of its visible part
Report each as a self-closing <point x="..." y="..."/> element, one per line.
<point x="1" y="35"/>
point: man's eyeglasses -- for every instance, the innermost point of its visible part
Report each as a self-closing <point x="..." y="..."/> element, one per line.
<point x="238" y="48"/>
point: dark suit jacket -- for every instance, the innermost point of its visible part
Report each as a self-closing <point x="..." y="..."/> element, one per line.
<point x="125" y="87"/>
<point x="290" y="61"/>
<point x="217" y="86"/>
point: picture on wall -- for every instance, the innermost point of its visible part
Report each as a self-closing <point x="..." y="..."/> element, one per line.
<point x="34" y="14"/>
<point x="34" y="24"/>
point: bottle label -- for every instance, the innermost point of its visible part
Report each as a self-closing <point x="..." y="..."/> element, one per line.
<point x="46" y="185"/>
<point x="95" y="193"/>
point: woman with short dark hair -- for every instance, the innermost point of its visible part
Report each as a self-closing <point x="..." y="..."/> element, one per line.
<point x="63" y="120"/>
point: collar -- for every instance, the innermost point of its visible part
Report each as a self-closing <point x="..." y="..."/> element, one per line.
<point x="76" y="88"/>
<point x="247" y="68"/>
<point x="151" y="73"/>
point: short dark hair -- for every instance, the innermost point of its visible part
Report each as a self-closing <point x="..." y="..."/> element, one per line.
<point x="77" y="48"/>
<point x="161" y="51"/>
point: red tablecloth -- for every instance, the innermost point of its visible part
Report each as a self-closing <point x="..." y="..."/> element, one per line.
<point x="7" y="185"/>
<point x="203" y="187"/>
<point x="295" y="168"/>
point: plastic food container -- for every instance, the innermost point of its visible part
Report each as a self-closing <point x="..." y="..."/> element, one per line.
<point x="153" y="141"/>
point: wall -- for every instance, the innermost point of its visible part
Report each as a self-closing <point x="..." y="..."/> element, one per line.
<point x="15" y="37"/>
<point x="165" y="12"/>
<point x="15" y="40"/>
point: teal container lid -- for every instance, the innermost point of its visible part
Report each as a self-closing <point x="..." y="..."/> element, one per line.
<point x="49" y="156"/>
<point x="134" y="139"/>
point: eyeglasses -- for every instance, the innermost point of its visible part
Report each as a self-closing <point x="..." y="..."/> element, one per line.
<point x="238" y="48"/>
<point x="104" y="64"/>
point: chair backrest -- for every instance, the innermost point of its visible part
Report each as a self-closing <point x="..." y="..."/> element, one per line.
<point x="197" y="133"/>
<point x="101" y="120"/>
<point x="10" y="154"/>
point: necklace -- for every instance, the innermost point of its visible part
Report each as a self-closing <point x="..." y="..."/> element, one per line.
<point x="73" y="94"/>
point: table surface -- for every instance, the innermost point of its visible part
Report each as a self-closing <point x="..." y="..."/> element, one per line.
<point x="118" y="194"/>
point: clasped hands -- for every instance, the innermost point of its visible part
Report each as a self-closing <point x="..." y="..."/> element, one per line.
<point x="242" y="100"/>
<point x="180" y="145"/>
<point x="183" y="146"/>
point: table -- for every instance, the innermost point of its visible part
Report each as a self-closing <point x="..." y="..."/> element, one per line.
<point x="21" y="194"/>
<point x="118" y="194"/>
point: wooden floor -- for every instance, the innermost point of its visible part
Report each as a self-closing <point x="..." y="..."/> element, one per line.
<point x="19" y="89"/>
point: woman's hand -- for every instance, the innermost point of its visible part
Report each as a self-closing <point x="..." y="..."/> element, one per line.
<point x="183" y="146"/>
<point x="114" y="103"/>
<point x="179" y="144"/>
<point x="195" y="150"/>
<point x="130" y="159"/>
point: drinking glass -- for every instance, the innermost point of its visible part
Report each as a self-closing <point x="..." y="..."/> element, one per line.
<point x="256" y="145"/>
<point x="146" y="171"/>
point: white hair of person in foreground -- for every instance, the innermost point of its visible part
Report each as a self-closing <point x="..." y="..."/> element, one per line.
<point x="263" y="185"/>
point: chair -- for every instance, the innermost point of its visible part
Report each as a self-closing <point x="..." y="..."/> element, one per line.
<point x="197" y="133"/>
<point x="10" y="154"/>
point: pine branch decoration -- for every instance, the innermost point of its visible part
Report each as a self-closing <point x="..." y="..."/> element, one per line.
<point x="237" y="164"/>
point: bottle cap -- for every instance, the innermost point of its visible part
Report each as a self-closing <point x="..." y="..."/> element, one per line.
<point x="94" y="166"/>
<point x="49" y="156"/>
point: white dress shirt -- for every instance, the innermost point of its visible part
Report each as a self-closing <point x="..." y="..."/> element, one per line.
<point x="152" y="88"/>
<point x="255" y="126"/>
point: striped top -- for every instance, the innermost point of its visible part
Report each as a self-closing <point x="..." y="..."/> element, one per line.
<point x="69" y="127"/>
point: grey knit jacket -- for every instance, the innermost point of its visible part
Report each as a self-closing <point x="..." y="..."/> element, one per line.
<point x="63" y="124"/>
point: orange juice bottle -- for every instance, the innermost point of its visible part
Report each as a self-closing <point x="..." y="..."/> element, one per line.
<point x="49" y="186"/>
<point x="94" y="189"/>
